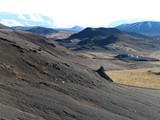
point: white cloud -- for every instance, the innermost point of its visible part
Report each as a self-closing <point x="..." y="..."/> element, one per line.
<point x="10" y="22"/>
<point x="31" y="17"/>
<point x="85" y="12"/>
<point x="21" y="16"/>
<point x="14" y="19"/>
<point x="36" y="17"/>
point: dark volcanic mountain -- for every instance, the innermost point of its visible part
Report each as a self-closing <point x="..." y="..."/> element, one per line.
<point x="92" y="36"/>
<point x="39" y="82"/>
<point x="111" y="39"/>
<point x="92" y="32"/>
<point x="147" y="28"/>
<point x="3" y="27"/>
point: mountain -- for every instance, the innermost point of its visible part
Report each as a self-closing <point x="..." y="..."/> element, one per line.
<point x="111" y="39"/>
<point x="76" y="28"/>
<point x="3" y="27"/>
<point x="39" y="82"/>
<point x="73" y="29"/>
<point x="116" y="23"/>
<point x="22" y="28"/>
<point x="14" y="19"/>
<point x="91" y="32"/>
<point x="50" y="33"/>
<point x="41" y="31"/>
<point x="146" y="28"/>
<point x="36" y="30"/>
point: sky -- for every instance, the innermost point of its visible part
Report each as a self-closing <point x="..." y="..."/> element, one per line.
<point x="93" y="13"/>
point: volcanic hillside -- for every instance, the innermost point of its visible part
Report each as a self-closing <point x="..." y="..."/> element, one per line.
<point x="37" y="82"/>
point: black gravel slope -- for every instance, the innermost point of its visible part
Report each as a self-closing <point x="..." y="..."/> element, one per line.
<point x="40" y="85"/>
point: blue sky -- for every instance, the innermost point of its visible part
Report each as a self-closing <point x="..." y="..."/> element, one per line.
<point x="94" y="13"/>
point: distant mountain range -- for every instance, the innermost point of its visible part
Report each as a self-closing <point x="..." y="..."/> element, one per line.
<point x="55" y="34"/>
<point x="111" y="39"/>
<point x="75" y="28"/>
<point x="125" y="38"/>
<point x="146" y="28"/>
<point x="36" y="30"/>
<point x="41" y="30"/>
<point x="23" y="28"/>
<point x="28" y="21"/>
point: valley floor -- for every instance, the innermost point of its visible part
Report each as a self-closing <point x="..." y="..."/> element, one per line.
<point x="134" y="73"/>
<point x="146" y="77"/>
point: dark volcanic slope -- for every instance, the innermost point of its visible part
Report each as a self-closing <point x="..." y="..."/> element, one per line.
<point x="91" y="37"/>
<point x="91" y="32"/>
<point x="37" y="84"/>
<point x="3" y="27"/>
<point x="111" y="39"/>
<point x="146" y="28"/>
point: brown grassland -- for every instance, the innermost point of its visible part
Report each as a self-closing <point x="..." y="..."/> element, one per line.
<point x="147" y="77"/>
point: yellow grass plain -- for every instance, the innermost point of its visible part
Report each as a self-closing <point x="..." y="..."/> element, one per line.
<point x="147" y="77"/>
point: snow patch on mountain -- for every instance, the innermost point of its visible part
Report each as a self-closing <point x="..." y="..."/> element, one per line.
<point x="150" y="28"/>
<point x="149" y="25"/>
<point x="139" y="26"/>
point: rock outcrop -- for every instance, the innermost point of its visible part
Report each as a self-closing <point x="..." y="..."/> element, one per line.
<point x="102" y="73"/>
